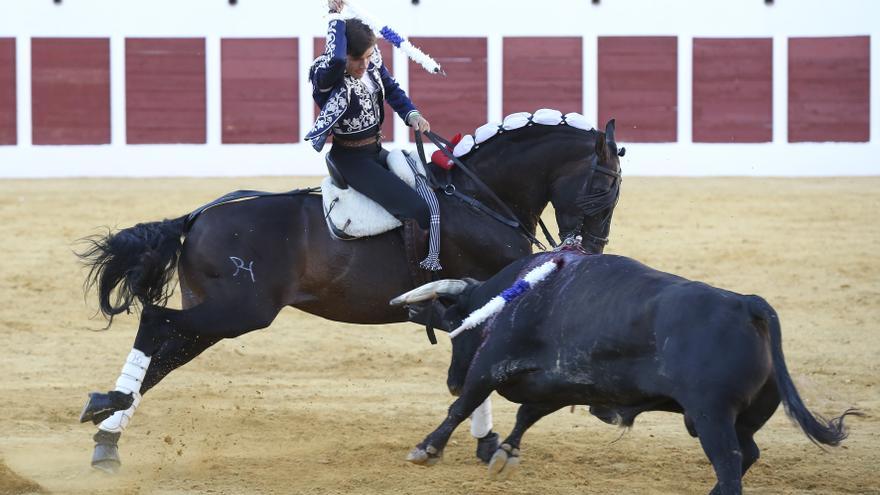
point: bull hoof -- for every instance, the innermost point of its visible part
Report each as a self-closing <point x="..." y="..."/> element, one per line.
<point x="427" y="456"/>
<point x="503" y="463"/>
<point x="101" y="406"/>
<point x="106" y="455"/>
<point x="487" y="446"/>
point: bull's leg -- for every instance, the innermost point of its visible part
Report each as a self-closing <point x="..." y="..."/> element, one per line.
<point x="506" y="459"/>
<point x="430" y="451"/>
<point x="750" y="421"/>
<point x="166" y="340"/>
<point x="718" y="436"/>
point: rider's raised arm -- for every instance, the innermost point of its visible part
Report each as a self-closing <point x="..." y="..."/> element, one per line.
<point x="329" y="68"/>
<point x="396" y="97"/>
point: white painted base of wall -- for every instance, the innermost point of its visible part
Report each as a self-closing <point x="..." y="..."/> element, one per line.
<point x="667" y="159"/>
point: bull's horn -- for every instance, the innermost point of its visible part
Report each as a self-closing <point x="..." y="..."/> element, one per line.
<point x="447" y="287"/>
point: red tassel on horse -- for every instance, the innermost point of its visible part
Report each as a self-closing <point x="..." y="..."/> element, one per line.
<point x="440" y="159"/>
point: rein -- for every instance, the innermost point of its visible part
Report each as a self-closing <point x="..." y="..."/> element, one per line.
<point x="449" y="189"/>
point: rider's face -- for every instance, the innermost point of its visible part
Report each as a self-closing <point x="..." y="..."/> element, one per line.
<point x="357" y="66"/>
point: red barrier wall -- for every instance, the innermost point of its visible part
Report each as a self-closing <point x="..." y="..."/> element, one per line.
<point x="8" y="114"/>
<point x="457" y="102"/>
<point x="543" y="73"/>
<point x="829" y="89"/>
<point x="732" y="90"/>
<point x="638" y="86"/>
<point x="70" y="90"/>
<point x="165" y="90"/>
<point x="260" y="90"/>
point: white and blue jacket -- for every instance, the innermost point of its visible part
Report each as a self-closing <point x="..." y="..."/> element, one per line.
<point x="347" y="107"/>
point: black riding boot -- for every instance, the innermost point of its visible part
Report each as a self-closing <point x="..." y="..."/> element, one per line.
<point x="415" y="240"/>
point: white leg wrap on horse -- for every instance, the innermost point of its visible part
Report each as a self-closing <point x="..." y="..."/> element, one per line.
<point x="120" y="419"/>
<point x="133" y="372"/>
<point x="481" y="419"/>
<point x="129" y="382"/>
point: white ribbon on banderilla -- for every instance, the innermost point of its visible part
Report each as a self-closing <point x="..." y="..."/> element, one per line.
<point x="395" y="39"/>
<point x="496" y="304"/>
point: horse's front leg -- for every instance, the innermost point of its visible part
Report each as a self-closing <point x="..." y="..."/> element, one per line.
<point x="481" y="429"/>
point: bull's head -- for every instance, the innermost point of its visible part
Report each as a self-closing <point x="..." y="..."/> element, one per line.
<point x="446" y="303"/>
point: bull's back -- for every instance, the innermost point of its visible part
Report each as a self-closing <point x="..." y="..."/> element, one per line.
<point x="632" y="330"/>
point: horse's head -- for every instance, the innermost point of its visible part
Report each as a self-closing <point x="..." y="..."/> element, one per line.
<point x="584" y="200"/>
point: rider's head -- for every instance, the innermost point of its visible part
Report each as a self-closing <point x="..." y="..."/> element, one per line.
<point x="361" y="44"/>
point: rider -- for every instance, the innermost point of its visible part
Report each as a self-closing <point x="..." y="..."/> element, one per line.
<point x="350" y="84"/>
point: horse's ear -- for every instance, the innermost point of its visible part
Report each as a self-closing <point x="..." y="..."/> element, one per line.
<point x="609" y="132"/>
<point x="600" y="144"/>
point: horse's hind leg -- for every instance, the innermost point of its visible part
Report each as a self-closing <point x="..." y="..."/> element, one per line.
<point x="166" y="339"/>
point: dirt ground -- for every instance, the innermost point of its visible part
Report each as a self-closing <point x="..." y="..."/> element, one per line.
<point x="311" y="406"/>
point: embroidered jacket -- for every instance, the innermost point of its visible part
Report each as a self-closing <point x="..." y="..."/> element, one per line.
<point x="347" y="106"/>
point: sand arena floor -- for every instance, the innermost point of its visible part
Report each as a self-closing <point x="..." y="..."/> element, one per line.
<point x="312" y="406"/>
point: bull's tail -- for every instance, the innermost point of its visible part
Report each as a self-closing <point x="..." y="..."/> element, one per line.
<point x="817" y="428"/>
<point x="136" y="263"/>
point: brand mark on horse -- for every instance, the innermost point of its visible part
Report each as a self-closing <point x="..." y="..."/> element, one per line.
<point x="240" y="265"/>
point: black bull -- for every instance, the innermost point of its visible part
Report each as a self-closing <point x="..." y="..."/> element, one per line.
<point x="609" y="332"/>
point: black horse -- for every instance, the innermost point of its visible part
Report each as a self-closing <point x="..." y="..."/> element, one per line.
<point x="242" y="262"/>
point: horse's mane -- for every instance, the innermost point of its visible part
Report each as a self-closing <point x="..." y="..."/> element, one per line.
<point x="515" y="121"/>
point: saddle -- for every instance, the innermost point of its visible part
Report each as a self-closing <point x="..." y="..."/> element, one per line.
<point x="351" y="215"/>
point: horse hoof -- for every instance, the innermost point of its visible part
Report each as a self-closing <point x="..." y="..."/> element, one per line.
<point x="106" y="455"/>
<point x="427" y="456"/>
<point x="504" y="462"/>
<point x="101" y="406"/>
<point x="487" y="446"/>
<point x="106" y="458"/>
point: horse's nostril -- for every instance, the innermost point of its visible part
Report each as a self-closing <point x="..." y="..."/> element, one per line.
<point x="455" y="390"/>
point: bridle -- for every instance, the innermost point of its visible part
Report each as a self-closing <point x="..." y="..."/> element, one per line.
<point x="592" y="204"/>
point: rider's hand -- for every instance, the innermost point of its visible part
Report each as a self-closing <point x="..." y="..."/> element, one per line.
<point x="419" y="123"/>
<point x="336" y="6"/>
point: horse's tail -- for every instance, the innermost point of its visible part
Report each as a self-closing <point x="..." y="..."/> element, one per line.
<point x="817" y="428"/>
<point x="137" y="263"/>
